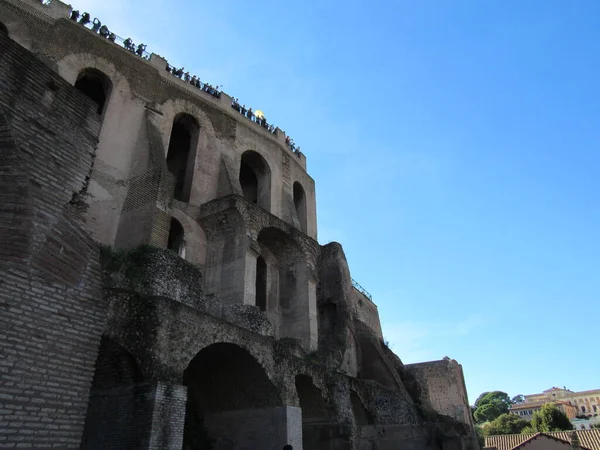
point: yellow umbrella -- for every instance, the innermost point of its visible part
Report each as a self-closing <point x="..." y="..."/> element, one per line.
<point x="258" y="113"/>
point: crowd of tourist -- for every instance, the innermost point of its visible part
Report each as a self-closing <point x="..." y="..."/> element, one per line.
<point x="194" y="81"/>
<point x="140" y="50"/>
<point x="257" y="118"/>
<point x="97" y="27"/>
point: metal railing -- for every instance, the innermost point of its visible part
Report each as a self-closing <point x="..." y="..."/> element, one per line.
<point x="361" y="289"/>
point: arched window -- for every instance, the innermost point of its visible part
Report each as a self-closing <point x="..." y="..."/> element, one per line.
<point x="96" y="85"/>
<point x="300" y="205"/>
<point x="255" y="179"/>
<point x="3" y="29"/>
<point x="261" y="283"/>
<point x="181" y="155"/>
<point x="176" y="238"/>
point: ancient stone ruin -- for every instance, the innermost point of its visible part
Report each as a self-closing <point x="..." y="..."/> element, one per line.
<point x="161" y="283"/>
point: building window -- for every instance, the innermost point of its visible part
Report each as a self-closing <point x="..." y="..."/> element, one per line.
<point x="176" y="240"/>
<point x="181" y="154"/>
<point x="583" y="409"/>
<point x="300" y="205"/>
<point x="95" y="85"/>
<point x="595" y="408"/>
<point x="261" y="283"/>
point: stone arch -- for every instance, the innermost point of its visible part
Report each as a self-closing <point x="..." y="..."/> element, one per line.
<point x="115" y="416"/>
<point x="95" y="85"/>
<point x="255" y="179"/>
<point x="16" y="29"/>
<point x="300" y="205"/>
<point x="181" y="153"/>
<point x="73" y="64"/>
<point x="195" y="238"/>
<point x="226" y="386"/>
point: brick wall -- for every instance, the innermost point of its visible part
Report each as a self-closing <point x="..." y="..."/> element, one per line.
<point x="51" y="308"/>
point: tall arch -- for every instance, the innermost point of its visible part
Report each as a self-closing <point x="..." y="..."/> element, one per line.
<point x="116" y="411"/>
<point x="300" y="205"/>
<point x="3" y="29"/>
<point x="255" y="179"/>
<point x="176" y="240"/>
<point x="261" y="283"/>
<point x="181" y="154"/>
<point x="227" y="387"/>
<point x="96" y="85"/>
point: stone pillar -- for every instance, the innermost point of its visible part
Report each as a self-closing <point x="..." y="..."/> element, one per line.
<point x="227" y="256"/>
<point x="299" y="305"/>
<point x="168" y="416"/>
<point x="250" y="277"/>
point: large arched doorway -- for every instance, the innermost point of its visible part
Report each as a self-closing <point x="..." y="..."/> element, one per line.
<point x="181" y="155"/>
<point x="3" y="29"/>
<point x="300" y="205"/>
<point x="255" y="179"/>
<point x="95" y="85"/>
<point x="231" y="400"/>
<point x="118" y="413"/>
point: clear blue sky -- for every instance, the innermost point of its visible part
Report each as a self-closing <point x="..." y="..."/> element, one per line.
<point x="455" y="147"/>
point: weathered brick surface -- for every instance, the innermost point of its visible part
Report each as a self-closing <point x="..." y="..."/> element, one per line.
<point x="51" y="308"/>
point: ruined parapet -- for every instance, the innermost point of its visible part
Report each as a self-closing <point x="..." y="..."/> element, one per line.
<point x="442" y="388"/>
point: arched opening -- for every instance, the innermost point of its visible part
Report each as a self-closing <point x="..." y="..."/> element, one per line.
<point x="176" y="240"/>
<point x="300" y="205"/>
<point x="95" y="85"/>
<point x="261" y="283"/>
<point x="362" y="416"/>
<point x="3" y="29"/>
<point x="255" y="179"/>
<point x="181" y="155"/>
<point x="319" y="428"/>
<point x="117" y="415"/>
<point x="231" y="400"/>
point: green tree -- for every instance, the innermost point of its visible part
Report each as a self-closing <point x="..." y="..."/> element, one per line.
<point x="548" y="418"/>
<point x="504" y="424"/>
<point x="518" y="399"/>
<point x="491" y="405"/>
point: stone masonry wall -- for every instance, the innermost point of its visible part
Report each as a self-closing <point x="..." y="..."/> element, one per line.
<point x="443" y="388"/>
<point x="51" y="313"/>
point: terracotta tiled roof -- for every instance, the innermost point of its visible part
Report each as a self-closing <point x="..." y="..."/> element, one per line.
<point x="547" y="435"/>
<point x="589" y="439"/>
